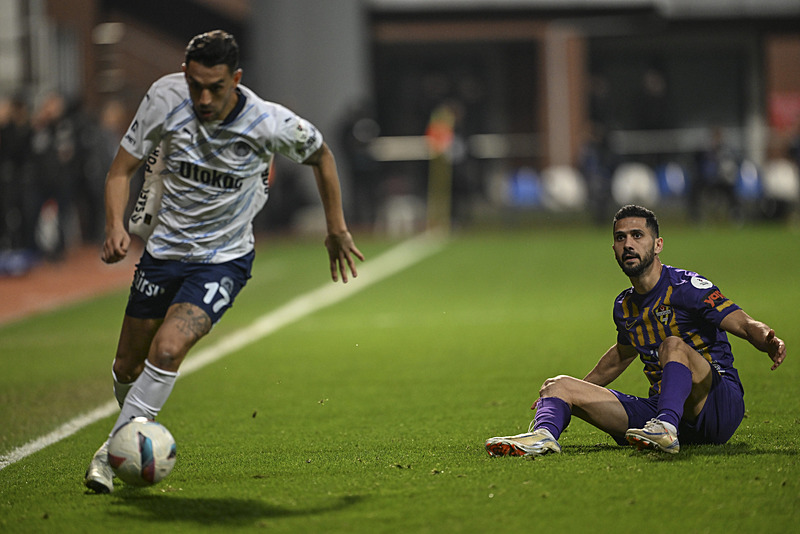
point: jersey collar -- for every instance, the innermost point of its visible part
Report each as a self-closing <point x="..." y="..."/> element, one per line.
<point x="240" y="101"/>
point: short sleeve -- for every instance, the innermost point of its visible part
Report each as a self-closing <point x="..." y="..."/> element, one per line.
<point x="146" y="129"/>
<point x="707" y="299"/>
<point x="296" y="138"/>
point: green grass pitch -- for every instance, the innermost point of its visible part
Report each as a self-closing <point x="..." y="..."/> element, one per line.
<point x="370" y="415"/>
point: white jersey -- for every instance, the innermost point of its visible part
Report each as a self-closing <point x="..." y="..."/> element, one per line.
<point x="215" y="175"/>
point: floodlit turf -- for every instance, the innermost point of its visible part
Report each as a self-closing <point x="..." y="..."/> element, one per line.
<point x="370" y="416"/>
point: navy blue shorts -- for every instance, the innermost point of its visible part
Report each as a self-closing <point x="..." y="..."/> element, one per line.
<point x="158" y="284"/>
<point x="718" y="420"/>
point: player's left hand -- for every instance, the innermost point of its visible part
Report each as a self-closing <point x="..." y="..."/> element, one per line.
<point x="776" y="349"/>
<point x="341" y="250"/>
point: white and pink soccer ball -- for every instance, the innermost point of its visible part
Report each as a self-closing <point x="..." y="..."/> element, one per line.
<point x="141" y="452"/>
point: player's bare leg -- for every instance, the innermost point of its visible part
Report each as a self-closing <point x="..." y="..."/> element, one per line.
<point x="560" y="398"/>
<point x="183" y="326"/>
<point x="135" y="339"/>
<point x="153" y="350"/>
<point x="592" y="403"/>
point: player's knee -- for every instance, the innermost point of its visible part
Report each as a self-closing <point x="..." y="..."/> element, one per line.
<point x="558" y="386"/>
<point x="167" y="354"/>
<point x="128" y="363"/>
<point x="671" y="349"/>
<point x="127" y="370"/>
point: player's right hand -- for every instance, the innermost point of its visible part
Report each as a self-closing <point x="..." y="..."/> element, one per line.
<point x="115" y="247"/>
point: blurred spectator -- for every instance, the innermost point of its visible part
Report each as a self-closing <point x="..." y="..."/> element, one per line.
<point x="597" y="164"/>
<point x="714" y="188"/>
<point x="794" y="145"/>
<point x="18" y="190"/>
<point x="600" y="107"/>
<point x="69" y="154"/>
<point x="53" y="146"/>
<point x="359" y="128"/>
<point x="97" y="143"/>
<point x="52" y="172"/>
<point x="652" y="103"/>
<point x="464" y="182"/>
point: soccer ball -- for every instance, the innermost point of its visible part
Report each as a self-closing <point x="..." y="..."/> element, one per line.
<point x="141" y="452"/>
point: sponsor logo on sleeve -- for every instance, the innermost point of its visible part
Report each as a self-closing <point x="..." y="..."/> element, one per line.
<point x="129" y="136"/>
<point x="714" y="298"/>
<point x="305" y="137"/>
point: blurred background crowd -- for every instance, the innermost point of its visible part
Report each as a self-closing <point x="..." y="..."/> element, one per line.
<point x="53" y="162"/>
<point x="505" y="112"/>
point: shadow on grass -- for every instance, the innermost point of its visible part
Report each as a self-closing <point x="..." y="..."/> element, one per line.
<point x="687" y="451"/>
<point x="736" y="449"/>
<point x="229" y="512"/>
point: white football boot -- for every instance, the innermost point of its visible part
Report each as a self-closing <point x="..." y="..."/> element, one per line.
<point x="532" y="443"/>
<point x="654" y="435"/>
<point x="99" y="475"/>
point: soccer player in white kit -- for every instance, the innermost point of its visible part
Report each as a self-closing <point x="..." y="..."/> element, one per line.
<point x="217" y="139"/>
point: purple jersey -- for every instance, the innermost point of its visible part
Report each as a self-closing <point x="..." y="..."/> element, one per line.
<point x="681" y="304"/>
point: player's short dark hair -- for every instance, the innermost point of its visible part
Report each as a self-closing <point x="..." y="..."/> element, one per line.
<point x="213" y="48"/>
<point x="631" y="210"/>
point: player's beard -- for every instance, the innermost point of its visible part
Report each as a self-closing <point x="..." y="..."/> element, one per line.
<point x="638" y="269"/>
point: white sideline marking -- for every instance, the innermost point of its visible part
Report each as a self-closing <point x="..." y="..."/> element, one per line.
<point x="390" y="262"/>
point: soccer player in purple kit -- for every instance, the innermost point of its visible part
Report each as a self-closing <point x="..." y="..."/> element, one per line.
<point x="677" y="323"/>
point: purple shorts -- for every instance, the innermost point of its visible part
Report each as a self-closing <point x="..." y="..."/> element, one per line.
<point x="158" y="284"/>
<point x="718" y="420"/>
